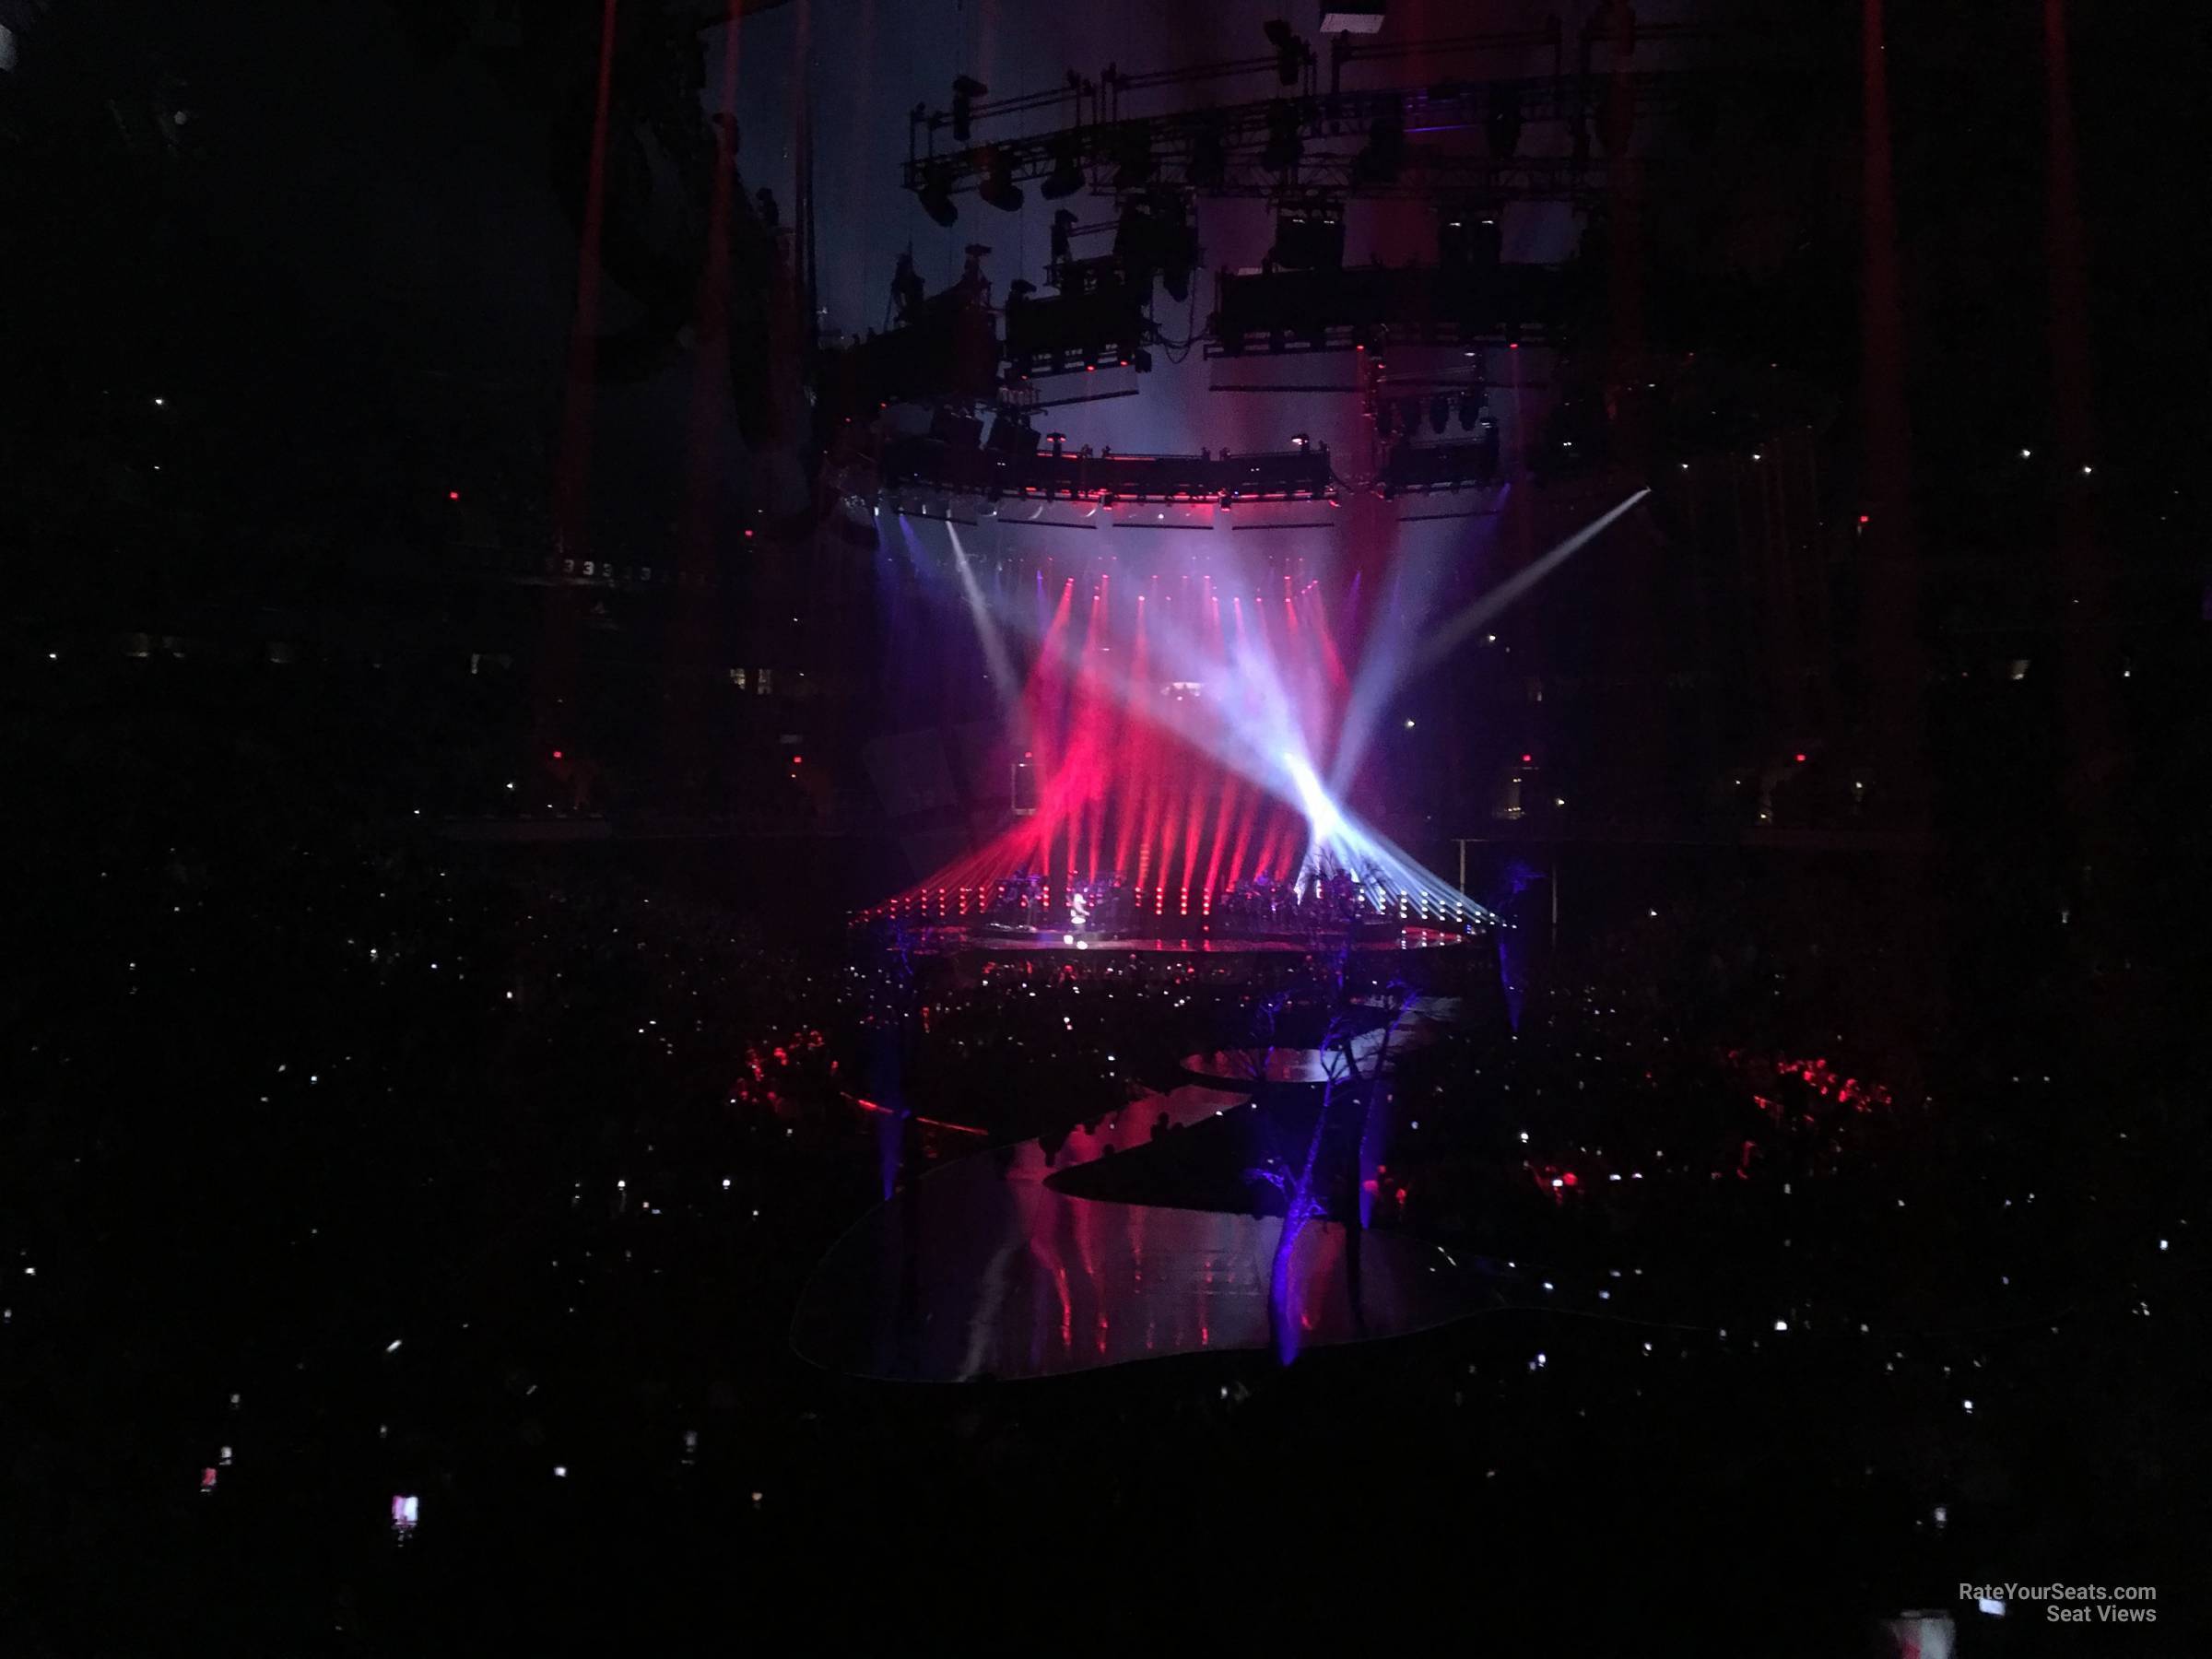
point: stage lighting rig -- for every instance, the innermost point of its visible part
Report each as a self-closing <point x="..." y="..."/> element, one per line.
<point x="1154" y="236"/>
<point x="1419" y="469"/>
<point x="956" y="428"/>
<point x="1012" y="434"/>
<point x="1338" y="307"/>
<point x="1099" y="313"/>
<point x="1174" y="243"/>
<point x="1473" y="408"/>
<point x="1066" y="177"/>
<point x="1384" y="156"/>
<point x="1135" y="243"/>
<point x="998" y="188"/>
<point x="1208" y="165"/>
<point x="1349" y="144"/>
<point x="966" y="89"/>
<point x="1467" y="236"/>
<point x="1133" y="156"/>
<point x="1291" y="54"/>
<point x="1309" y="236"/>
<point x="1503" y="126"/>
<point x="1285" y="140"/>
<point x="995" y="473"/>
<point x="936" y="195"/>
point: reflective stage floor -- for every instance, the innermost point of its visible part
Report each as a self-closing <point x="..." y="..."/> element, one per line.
<point x="1422" y="1021"/>
<point x="984" y="1270"/>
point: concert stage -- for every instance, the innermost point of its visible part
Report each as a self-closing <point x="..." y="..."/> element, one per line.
<point x="956" y="938"/>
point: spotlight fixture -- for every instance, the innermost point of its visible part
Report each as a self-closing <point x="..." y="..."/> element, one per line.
<point x="1176" y="279"/>
<point x="1209" y="166"/>
<point x="1066" y="176"/>
<point x="1465" y="237"/>
<point x="998" y="187"/>
<point x="1174" y="242"/>
<point x="1300" y="440"/>
<point x="1136" y="242"/>
<point x="1440" y="412"/>
<point x="1503" y="126"/>
<point x="1133" y="156"/>
<point x="1309" y="236"/>
<point x="1473" y="407"/>
<point x="1010" y="434"/>
<point x="1290" y="51"/>
<point x="966" y="89"/>
<point x="1378" y="162"/>
<point x="1285" y="142"/>
<point x="936" y="196"/>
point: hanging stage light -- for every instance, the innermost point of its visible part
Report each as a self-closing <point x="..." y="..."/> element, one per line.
<point x="1176" y="279"/>
<point x="1473" y="407"/>
<point x="1439" y="414"/>
<point x="1384" y="154"/>
<point x="1063" y="230"/>
<point x="1174" y="243"/>
<point x="1011" y="434"/>
<point x="1309" y="236"/>
<point x="1135" y="243"/>
<point x="966" y="89"/>
<point x="936" y="195"/>
<point x="1285" y="142"/>
<point x="1290" y="51"/>
<point x="1133" y="156"/>
<point x="1066" y="176"/>
<point x="1503" y="126"/>
<point x="1466" y="237"/>
<point x="1208" y="168"/>
<point x="998" y="187"/>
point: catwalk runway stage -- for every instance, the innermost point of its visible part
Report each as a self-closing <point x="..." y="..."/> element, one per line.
<point x="984" y="1270"/>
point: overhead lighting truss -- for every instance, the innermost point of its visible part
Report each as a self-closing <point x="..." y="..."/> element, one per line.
<point x="1334" y="310"/>
<point x="1056" y="473"/>
<point x="1246" y="149"/>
